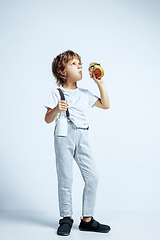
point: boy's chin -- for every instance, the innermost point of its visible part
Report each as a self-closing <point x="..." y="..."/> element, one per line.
<point x="79" y="79"/>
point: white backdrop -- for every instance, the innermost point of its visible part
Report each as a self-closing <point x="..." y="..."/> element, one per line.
<point x="124" y="37"/>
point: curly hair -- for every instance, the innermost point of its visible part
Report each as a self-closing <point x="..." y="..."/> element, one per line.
<point x="59" y="64"/>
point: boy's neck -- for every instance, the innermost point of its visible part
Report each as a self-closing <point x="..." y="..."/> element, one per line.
<point x="69" y="86"/>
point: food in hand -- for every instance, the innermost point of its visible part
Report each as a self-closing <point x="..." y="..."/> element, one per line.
<point x="96" y="69"/>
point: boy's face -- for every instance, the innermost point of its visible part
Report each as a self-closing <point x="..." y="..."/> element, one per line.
<point x="73" y="70"/>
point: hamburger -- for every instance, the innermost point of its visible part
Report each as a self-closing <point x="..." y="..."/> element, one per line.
<point x="95" y="68"/>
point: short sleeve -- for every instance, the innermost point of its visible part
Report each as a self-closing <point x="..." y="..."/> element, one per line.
<point x="91" y="98"/>
<point x="52" y="100"/>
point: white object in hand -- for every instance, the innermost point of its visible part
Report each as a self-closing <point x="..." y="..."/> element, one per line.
<point x="61" y="126"/>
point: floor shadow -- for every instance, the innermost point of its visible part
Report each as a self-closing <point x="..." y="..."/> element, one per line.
<point x="30" y="218"/>
<point x="33" y="218"/>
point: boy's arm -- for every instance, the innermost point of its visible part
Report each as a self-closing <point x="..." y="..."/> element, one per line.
<point x="51" y="113"/>
<point x="102" y="102"/>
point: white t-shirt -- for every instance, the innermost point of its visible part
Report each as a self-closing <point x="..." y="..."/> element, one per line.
<point x="80" y="101"/>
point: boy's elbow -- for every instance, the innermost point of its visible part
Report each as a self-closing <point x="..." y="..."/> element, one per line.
<point x="106" y="107"/>
<point x="45" y="119"/>
<point x="48" y="120"/>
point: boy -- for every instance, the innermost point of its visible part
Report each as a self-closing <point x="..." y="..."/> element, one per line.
<point x="67" y="70"/>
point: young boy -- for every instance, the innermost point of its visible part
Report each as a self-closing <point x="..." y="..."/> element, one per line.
<point x="67" y="70"/>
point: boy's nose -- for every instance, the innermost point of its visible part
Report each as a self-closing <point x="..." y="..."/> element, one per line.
<point x="79" y="66"/>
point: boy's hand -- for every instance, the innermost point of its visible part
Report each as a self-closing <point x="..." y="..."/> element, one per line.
<point x="62" y="106"/>
<point x="98" y="81"/>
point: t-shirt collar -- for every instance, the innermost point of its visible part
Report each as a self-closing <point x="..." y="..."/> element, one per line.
<point x="69" y="90"/>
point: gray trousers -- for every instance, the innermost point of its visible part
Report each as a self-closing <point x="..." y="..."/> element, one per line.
<point x="76" y="146"/>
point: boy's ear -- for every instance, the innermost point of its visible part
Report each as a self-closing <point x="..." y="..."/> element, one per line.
<point x="64" y="72"/>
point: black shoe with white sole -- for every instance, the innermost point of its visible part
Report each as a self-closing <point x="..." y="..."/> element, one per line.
<point x="65" y="226"/>
<point x="93" y="226"/>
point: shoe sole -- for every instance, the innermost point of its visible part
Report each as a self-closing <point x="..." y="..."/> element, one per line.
<point x="63" y="234"/>
<point x="106" y="231"/>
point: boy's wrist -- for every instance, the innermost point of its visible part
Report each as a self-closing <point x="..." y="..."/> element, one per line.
<point x="101" y="84"/>
<point x="57" y="110"/>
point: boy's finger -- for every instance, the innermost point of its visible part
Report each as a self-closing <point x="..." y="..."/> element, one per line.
<point x="65" y="102"/>
<point x="95" y="76"/>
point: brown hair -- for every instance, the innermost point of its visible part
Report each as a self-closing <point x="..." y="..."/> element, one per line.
<point x="59" y="64"/>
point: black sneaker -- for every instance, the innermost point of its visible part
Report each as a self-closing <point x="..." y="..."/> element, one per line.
<point x="93" y="226"/>
<point x="65" y="226"/>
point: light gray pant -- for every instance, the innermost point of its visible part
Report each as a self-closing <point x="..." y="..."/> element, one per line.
<point x="76" y="146"/>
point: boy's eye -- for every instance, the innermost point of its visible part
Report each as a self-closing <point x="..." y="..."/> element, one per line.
<point x="73" y="63"/>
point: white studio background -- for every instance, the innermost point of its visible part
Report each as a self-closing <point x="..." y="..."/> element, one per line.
<point x="124" y="37"/>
